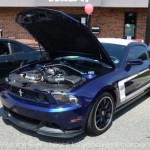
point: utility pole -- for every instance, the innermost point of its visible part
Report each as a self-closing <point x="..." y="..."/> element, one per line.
<point x="147" y="34"/>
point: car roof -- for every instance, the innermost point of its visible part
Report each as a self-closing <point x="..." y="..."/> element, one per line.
<point x="9" y="40"/>
<point x="6" y="39"/>
<point x="117" y="41"/>
<point x="13" y="40"/>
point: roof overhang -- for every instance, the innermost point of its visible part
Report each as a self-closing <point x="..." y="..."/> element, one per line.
<point x="75" y="3"/>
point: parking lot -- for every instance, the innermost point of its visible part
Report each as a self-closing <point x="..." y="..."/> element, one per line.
<point x="130" y="130"/>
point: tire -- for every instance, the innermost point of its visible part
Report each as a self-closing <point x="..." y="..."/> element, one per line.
<point x="101" y="115"/>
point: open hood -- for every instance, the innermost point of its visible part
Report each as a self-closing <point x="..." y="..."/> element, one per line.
<point x="61" y="35"/>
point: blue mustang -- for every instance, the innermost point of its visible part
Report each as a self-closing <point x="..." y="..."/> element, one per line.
<point x="86" y="81"/>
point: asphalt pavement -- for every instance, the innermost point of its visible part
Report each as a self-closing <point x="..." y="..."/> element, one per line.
<point x="130" y="131"/>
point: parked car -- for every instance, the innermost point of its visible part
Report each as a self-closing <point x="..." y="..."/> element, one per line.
<point x="86" y="81"/>
<point x="14" y="54"/>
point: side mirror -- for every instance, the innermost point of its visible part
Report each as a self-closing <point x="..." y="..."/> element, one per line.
<point x="135" y="62"/>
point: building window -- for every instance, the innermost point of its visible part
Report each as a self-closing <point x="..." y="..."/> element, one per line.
<point x="81" y="18"/>
<point x="130" y="25"/>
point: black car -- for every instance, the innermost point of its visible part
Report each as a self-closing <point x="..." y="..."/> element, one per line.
<point x="14" y="54"/>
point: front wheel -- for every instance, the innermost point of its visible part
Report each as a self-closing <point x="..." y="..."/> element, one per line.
<point x="101" y="115"/>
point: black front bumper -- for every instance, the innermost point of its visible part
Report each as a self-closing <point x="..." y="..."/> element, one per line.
<point x="39" y="128"/>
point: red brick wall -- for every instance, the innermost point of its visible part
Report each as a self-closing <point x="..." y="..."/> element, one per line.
<point x="8" y="25"/>
<point x="110" y="21"/>
<point x="141" y="23"/>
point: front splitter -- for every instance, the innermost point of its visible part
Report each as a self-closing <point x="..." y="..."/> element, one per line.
<point x="40" y="128"/>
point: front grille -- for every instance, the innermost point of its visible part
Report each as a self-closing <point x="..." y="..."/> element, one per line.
<point x="33" y="121"/>
<point x="27" y="94"/>
<point x="23" y="118"/>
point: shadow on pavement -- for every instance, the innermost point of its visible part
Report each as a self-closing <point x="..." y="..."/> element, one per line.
<point x="77" y="138"/>
<point x="128" y="108"/>
<point x="131" y="106"/>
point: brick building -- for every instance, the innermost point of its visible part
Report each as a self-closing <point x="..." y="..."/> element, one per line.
<point x="114" y="18"/>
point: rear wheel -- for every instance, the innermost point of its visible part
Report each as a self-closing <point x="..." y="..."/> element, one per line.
<point x="101" y="115"/>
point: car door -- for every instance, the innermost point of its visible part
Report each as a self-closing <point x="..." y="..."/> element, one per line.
<point x="138" y="79"/>
<point x="7" y="60"/>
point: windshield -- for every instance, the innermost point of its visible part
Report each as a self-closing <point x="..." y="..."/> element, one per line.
<point x="82" y="59"/>
<point x="115" y="52"/>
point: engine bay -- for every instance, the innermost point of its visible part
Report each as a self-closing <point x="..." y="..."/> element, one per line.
<point x="61" y="75"/>
<point x="55" y="77"/>
<point x="52" y="75"/>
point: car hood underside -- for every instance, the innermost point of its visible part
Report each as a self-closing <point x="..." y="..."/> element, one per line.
<point x="61" y="35"/>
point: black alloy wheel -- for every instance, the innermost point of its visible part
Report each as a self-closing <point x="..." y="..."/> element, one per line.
<point x="101" y="115"/>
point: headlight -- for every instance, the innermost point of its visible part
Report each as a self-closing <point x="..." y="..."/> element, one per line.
<point x="64" y="97"/>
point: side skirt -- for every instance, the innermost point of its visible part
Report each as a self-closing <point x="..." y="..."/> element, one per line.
<point x="131" y="101"/>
